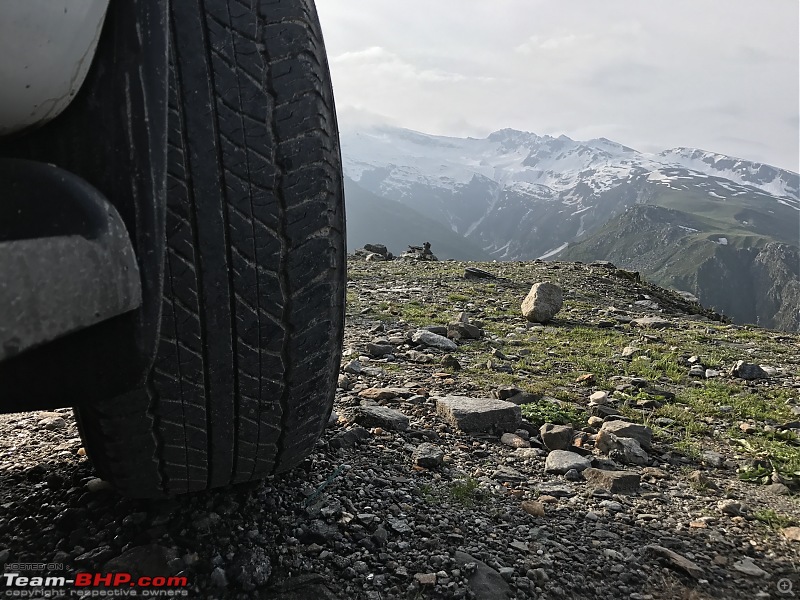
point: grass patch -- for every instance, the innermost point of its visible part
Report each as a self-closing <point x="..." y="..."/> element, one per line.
<point x="465" y="492"/>
<point x="779" y="453"/>
<point x="773" y="519"/>
<point x="545" y="411"/>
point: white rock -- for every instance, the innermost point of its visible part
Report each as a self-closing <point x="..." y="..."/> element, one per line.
<point x="599" y="397"/>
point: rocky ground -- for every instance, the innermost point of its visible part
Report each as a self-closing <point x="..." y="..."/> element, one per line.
<point x="415" y="492"/>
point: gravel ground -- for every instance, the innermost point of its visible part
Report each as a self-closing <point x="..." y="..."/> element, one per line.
<point x="359" y="519"/>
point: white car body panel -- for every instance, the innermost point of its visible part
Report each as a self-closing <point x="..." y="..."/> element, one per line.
<point x="46" y="49"/>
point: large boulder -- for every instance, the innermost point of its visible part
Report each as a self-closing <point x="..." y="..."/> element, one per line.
<point x="543" y="302"/>
<point x="479" y="414"/>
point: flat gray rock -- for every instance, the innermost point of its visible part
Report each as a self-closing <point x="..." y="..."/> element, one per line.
<point x="479" y="414"/>
<point x="561" y="461"/>
<point x="380" y="416"/>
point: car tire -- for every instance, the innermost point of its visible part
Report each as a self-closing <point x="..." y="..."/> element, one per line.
<point x="252" y="311"/>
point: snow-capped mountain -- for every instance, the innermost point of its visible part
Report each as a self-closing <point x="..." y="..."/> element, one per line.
<point x="522" y="196"/>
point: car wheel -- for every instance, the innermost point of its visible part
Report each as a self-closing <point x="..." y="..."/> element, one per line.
<point x="252" y="309"/>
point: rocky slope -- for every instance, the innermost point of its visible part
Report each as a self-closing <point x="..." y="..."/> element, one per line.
<point x="399" y="501"/>
<point x="750" y="280"/>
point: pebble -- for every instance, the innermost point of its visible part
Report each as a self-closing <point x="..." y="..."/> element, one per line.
<point x="98" y="485"/>
<point x="533" y="508"/>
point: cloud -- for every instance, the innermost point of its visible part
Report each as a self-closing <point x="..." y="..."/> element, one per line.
<point x="380" y="61"/>
<point x="663" y="73"/>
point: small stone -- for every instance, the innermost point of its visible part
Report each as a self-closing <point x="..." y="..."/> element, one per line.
<point x="556" y="437"/>
<point x="450" y="362"/>
<point x="379" y="350"/>
<point x="513" y="440"/>
<point x="561" y="461"/>
<point x="506" y="573"/>
<point x="595" y="421"/>
<point x="98" y="485"/>
<point x="616" y="482"/>
<point x="697" y="371"/>
<point x="554" y="489"/>
<point x="218" y="578"/>
<point x="599" y="398"/>
<point x="711" y="373"/>
<point x="629" y="351"/>
<point x="428" y="456"/>
<point x="731" y="508"/>
<point x="699" y="479"/>
<point x="506" y="392"/>
<point x="543" y="302"/>
<point x="573" y="475"/>
<point x="462" y="330"/>
<point x="778" y="488"/>
<point x="747" y="428"/>
<point x="627" y="450"/>
<point x="623" y="429"/>
<point x="652" y="322"/>
<point x="533" y="508"/>
<point x="377" y="394"/>
<point x="343" y="382"/>
<point x="380" y="416"/>
<point x="585" y="379"/>
<point x="523" y="398"/>
<point x="712" y="459"/>
<point x="426" y="578"/>
<point x="676" y="560"/>
<point x="655" y="473"/>
<point x="748" y="371"/>
<point x="354" y="368"/>
<point x="433" y="340"/>
<point x="81" y="451"/>
<point x="748" y="567"/>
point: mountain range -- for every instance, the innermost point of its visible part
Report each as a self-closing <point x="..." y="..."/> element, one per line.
<point x="519" y="196"/>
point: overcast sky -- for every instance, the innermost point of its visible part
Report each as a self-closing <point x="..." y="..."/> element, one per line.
<point x="720" y="75"/>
